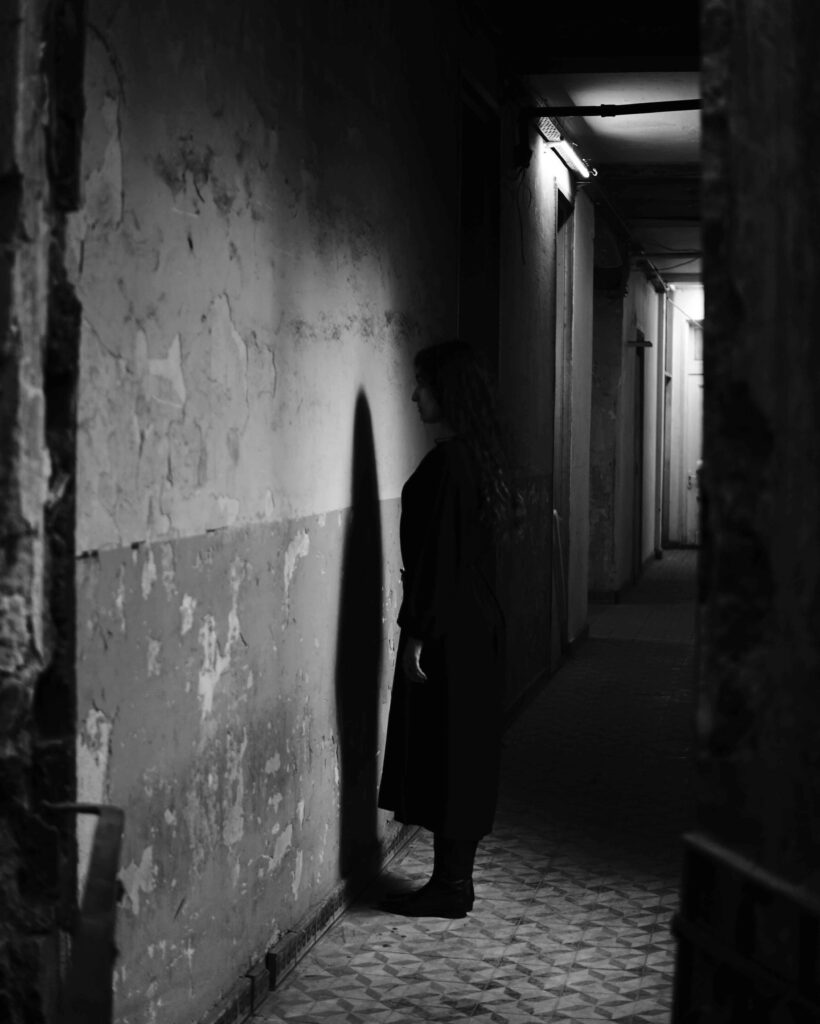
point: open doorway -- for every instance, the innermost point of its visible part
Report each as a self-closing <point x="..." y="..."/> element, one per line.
<point x="683" y="401"/>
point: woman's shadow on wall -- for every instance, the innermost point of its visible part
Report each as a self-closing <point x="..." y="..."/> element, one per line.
<point x="359" y="659"/>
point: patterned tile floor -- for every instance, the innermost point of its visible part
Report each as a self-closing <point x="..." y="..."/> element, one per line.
<point x="576" y="886"/>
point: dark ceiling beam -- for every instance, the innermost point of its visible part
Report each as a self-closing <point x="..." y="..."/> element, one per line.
<point x="642" y="172"/>
<point x="615" y="109"/>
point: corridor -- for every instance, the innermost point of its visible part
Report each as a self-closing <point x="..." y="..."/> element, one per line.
<point x="577" y="884"/>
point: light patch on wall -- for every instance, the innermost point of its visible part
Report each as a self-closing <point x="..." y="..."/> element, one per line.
<point x="214" y="662"/>
<point x="300" y="811"/>
<point x="149" y="574"/>
<point x="168" y="369"/>
<point x="104" y="184"/>
<point x="154" y="648"/>
<point x="241" y="349"/>
<point x="168" y="570"/>
<point x="186" y="610"/>
<point x="119" y="599"/>
<point x="229" y="507"/>
<point x="93" y="749"/>
<point x="151" y="991"/>
<point x="273" y="764"/>
<point x="139" y="878"/>
<point x="170" y="818"/>
<point x="297" y="874"/>
<point x="281" y="847"/>
<point x="298" y="548"/>
<point x="237" y="575"/>
<point x="234" y="827"/>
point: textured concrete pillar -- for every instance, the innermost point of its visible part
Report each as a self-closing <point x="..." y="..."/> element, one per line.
<point x="759" y="713"/>
<point x="39" y="115"/>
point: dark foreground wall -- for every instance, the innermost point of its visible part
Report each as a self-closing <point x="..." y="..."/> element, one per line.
<point x="40" y="121"/>
<point x="759" y="709"/>
<point x="759" y="712"/>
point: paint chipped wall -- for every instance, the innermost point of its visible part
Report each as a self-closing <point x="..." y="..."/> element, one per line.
<point x="231" y="244"/>
<point x="266" y="237"/>
<point x="218" y="716"/>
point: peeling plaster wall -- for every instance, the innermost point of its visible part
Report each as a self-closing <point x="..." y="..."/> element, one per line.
<point x="267" y="236"/>
<point x="241" y="236"/>
<point x="220" y="733"/>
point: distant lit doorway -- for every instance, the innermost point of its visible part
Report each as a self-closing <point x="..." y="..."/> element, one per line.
<point x="683" y="401"/>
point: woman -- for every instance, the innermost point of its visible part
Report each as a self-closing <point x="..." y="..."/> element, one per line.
<point x="443" y="734"/>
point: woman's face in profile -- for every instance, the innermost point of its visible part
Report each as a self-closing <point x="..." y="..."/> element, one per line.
<point x="429" y="409"/>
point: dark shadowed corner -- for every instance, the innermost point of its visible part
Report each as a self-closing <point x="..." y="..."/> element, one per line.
<point x="359" y="658"/>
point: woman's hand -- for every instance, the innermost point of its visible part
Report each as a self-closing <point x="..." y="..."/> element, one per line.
<point x="411" y="660"/>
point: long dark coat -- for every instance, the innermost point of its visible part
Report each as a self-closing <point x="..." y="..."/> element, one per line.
<point x="443" y="735"/>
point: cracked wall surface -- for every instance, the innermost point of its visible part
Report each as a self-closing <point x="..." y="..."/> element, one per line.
<point x="267" y="235"/>
<point x="213" y="717"/>
<point x="234" y="260"/>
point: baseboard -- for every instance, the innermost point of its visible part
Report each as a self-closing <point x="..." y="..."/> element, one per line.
<point x="250" y="991"/>
<point x="289" y="950"/>
<point x="242" y="999"/>
<point x="578" y="640"/>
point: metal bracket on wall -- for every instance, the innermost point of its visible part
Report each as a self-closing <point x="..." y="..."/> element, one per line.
<point x="88" y="993"/>
<point x="614" y="109"/>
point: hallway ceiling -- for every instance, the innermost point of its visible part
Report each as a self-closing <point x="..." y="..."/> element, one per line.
<point x="648" y="180"/>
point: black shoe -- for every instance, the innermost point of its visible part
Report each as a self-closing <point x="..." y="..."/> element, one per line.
<point x="438" y="898"/>
<point x="390" y="899"/>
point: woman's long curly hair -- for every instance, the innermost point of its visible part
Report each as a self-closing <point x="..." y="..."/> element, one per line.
<point x="462" y="389"/>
